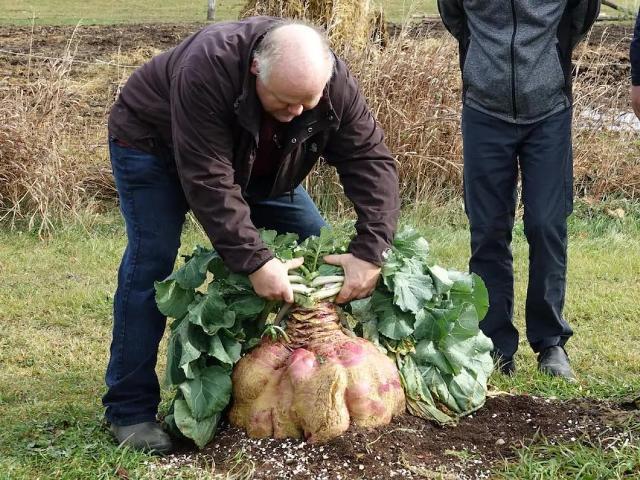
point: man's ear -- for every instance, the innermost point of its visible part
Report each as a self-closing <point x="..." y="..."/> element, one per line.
<point x="254" y="67"/>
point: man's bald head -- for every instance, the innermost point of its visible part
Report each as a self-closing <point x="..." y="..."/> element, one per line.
<point x="295" y="50"/>
<point x="293" y="63"/>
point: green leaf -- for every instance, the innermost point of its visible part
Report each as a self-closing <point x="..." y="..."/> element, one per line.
<point x="211" y="313"/>
<point x="395" y="327"/>
<point x="362" y="312"/>
<point x="392" y="322"/>
<point x="225" y="348"/>
<point x="251" y="343"/>
<point x="408" y="243"/>
<point x="326" y="270"/>
<point x="480" y="296"/>
<point x="188" y="350"/>
<point x="173" y="300"/>
<point x="466" y="325"/>
<point x="469" y="288"/>
<point x="411" y="291"/>
<point x="361" y="308"/>
<point x="426" y="326"/>
<point x="441" y="279"/>
<point x="479" y="360"/>
<point x="419" y="401"/>
<point x="208" y="393"/>
<point x="218" y="269"/>
<point x="469" y="393"/>
<point x="174" y="375"/>
<point x="268" y="236"/>
<point x="467" y="352"/>
<point x="194" y="272"/>
<point x="282" y="246"/>
<point x="247" y="306"/>
<point x="462" y="282"/>
<point x="330" y="241"/>
<point x="438" y="386"/>
<point x="200" y="431"/>
<point x="438" y="323"/>
<point x="427" y="354"/>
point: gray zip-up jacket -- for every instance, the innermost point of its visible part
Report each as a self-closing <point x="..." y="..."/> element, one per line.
<point x="515" y="55"/>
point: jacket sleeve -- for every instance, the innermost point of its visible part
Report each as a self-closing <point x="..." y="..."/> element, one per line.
<point x="367" y="171"/>
<point x="203" y="147"/>
<point x="452" y="15"/>
<point x="634" y="53"/>
<point x="583" y="15"/>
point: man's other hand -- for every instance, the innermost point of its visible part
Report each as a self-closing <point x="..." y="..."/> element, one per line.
<point x="360" y="276"/>
<point x="271" y="280"/>
<point x="635" y="100"/>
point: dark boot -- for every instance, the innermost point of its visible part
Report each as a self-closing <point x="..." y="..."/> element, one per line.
<point x="506" y="365"/>
<point x="147" y="436"/>
<point x="555" y="362"/>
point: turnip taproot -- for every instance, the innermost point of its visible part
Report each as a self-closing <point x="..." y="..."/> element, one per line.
<point x="316" y="384"/>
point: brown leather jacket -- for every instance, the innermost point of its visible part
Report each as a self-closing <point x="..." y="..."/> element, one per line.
<point x="197" y="104"/>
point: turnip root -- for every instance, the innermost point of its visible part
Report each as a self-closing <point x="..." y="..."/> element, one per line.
<point x="316" y="384"/>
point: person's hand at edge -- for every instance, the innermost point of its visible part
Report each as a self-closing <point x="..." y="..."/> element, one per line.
<point x="271" y="280"/>
<point x="360" y="276"/>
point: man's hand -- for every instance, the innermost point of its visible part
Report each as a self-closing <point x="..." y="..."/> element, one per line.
<point x="635" y="100"/>
<point x="271" y="280"/>
<point x="360" y="276"/>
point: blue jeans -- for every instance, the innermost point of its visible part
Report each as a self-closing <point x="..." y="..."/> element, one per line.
<point x="494" y="152"/>
<point x="154" y="207"/>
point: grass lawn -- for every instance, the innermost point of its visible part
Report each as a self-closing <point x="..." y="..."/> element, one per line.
<point x="56" y="315"/>
<point x="137" y="11"/>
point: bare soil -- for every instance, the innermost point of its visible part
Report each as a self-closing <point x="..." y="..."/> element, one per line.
<point x="95" y="40"/>
<point x="411" y="448"/>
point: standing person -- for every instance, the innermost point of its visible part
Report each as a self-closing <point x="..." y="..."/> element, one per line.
<point x="515" y="57"/>
<point x="228" y="124"/>
<point x="634" y="55"/>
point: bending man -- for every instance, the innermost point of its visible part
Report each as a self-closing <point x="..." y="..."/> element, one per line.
<point x="228" y="124"/>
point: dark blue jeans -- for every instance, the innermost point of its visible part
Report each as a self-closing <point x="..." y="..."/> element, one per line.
<point x="154" y="207"/>
<point x="494" y="152"/>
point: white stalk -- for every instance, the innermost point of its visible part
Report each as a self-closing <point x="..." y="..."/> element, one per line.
<point x="318" y="281"/>
<point x="298" y="288"/>
<point x="326" y="293"/>
<point x="296" y="279"/>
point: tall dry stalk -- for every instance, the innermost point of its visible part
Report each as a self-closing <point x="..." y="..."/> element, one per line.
<point x="38" y="180"/>
<point x="413" y="90"/>
<point x="606" y="145"/>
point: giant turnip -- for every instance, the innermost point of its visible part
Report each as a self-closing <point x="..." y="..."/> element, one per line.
<point x="315" y="381"/>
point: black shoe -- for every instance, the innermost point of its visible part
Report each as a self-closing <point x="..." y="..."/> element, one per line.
<point x="506" y="365"/>
<point x="147" y="437"/>
<point x="555" y="362"/>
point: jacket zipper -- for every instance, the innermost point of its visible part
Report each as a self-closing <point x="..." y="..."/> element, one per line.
<point x="513" y="59"/>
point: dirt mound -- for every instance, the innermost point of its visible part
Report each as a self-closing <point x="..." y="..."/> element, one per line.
<point x="410" y="448"/>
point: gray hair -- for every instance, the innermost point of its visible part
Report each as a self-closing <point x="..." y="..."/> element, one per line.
<point x="269" y="50"/>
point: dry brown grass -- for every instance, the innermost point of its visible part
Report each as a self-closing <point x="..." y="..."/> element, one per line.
<point x="606" y="151"/>
<point x="53" y="160"/>
<point x="412" y="88"/>
<point x="39" y="180"/>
